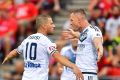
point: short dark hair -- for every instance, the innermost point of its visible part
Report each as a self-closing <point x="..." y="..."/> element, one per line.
<point x="77" y="11"/>
<point x="42" y="19"/>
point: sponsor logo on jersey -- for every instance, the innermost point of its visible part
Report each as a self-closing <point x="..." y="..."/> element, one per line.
<point x="81" y="47"/>
<point x="34" y="37"/>
<point x="32" y="65"/>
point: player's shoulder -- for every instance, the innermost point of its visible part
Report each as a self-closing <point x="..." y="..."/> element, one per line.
<point x="95" y="32"/>
<point x="94" y="29"/>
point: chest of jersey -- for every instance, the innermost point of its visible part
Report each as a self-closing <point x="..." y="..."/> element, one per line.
<point x="84" y="39"/>
<point x="85" y="44"/>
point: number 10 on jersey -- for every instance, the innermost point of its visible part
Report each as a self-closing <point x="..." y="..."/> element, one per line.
<point x="30" y="51"/>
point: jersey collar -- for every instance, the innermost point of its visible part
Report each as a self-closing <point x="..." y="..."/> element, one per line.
<point x="85" y="29"/>
<point x="73" y="51"/>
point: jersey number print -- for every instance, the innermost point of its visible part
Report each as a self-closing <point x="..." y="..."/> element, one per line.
<point x="31" y="52"/>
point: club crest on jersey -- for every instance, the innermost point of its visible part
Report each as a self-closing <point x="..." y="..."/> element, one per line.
<point x="51" y="48"/>
<point x="83" y="36"/>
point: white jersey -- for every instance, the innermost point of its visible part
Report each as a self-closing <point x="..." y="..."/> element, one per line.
<point x="36" y="50"/>
<point x="70" y="54"/>
<point x="86" y="58"/>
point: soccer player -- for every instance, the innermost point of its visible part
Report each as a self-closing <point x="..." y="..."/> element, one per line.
<point x="36" y="50"/>
<point x="69" y="52"/>
<point x="89" y="49"/>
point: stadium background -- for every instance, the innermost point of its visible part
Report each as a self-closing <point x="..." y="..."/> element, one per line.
<point x="17" y="20"/>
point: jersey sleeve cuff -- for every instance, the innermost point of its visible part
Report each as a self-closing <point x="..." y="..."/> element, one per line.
<point x="18" y="51"/>
<point x="54" y="51"/>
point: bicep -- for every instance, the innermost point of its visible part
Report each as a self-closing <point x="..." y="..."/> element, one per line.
<point x="97" y="37"/>
<point x="97" y="41"/>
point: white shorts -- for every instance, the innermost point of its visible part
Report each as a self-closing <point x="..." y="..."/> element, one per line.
<point x="67" y="78"/>
<point x="90" y="77"/>
<point x="86" y="77"/>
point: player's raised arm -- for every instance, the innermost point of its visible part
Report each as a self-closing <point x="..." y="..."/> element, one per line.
<point x="69" y="64"/>
<point x="11" y="55"/>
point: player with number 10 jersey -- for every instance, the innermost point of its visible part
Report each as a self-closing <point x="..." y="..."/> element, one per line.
<point x="36" y="49"/>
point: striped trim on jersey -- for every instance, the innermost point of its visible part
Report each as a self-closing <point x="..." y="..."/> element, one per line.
<point x="54" y="51"/>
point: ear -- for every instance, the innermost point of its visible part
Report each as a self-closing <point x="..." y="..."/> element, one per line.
<point x="44" y="26"/>
<point x="79" y="20"/>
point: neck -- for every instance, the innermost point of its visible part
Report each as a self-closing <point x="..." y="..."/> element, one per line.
<point x="42" y="31"/>
<point x="84" y="25"/>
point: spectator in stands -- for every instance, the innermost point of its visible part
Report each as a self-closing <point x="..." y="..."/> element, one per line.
<point x="8" y="27"/>
<point x="104" y="5"/>
<point x="95" y="15"/>
<point x="7" y="76"/>
<point x="18" y="71"/>
<point x="50" y="7"/>
<point x="53" y="74"/>
<point x="117" y="2"/>
<point x="8" y="4"/>
<point x="56" y="7"/>
<point x="108" y="47"/>
<point x="113" y="22"/>
<point x="101" y="23"/>
<point x="107" y="43"/>
<point x="16" y="77"/>
<point x="17" y="2"/>
<point x="116" y="40"/>
<point x="26" y="12"/>
<point x="23" y="31"/>
<point x="12" y="8"/>
<point x="113" y="67"/>
<point x="64" y="3"/>
<point x="4" y="4"/>
<point x="38" y="4"/>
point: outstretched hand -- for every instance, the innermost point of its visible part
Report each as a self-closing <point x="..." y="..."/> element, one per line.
<point x="78" y="73"/>
<point x="4" y="61"/>
<point x="70" y="34"/>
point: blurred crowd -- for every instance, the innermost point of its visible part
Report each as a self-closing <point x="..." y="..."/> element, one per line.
<point x="17" y="21"/>
<point x="106" y="15"/>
